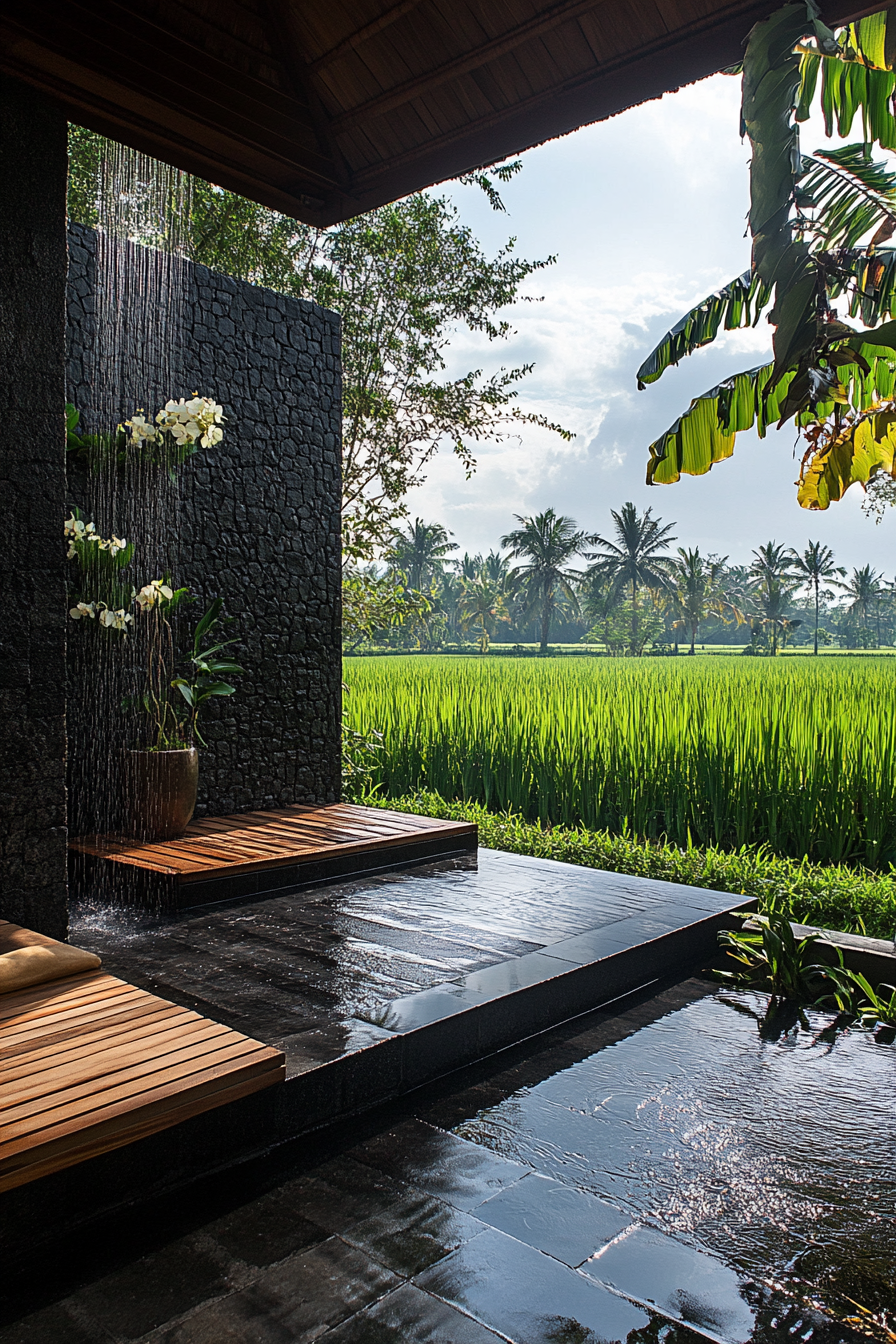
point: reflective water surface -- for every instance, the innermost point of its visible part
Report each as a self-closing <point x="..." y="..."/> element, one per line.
<point x="777" y="1156"/>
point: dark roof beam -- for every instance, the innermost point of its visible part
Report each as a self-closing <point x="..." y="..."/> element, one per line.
<point x="357" y="39"/>
<point x="462" y="65"/>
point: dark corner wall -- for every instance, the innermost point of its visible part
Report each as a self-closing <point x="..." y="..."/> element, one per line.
<point x="33" y="170"/>
<point x="260" y="525"/>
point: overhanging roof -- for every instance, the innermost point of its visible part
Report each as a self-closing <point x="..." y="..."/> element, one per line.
<point x="325" y="108"/>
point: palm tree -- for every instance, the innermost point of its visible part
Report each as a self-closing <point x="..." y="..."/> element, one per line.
<point x="482" y="605"/>
<point x="469" y="565"/>
<point x="420" y="552"/>
<point x="450" y="595"/>
<point x="695" y="589"/>
<point x="633" y="559"/>
<point x="495" y="567"/>
<point x="546" y="543"/>
<point x="772" y="585"/>
<point x="863" y="588"/>
<point x="814" y="566"/>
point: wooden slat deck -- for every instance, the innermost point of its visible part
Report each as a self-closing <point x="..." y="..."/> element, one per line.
<point x="217" y="847"/>
<point x="90" y="1063"/>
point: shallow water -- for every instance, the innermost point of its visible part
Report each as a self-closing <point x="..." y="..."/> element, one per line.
<point x="776" y="1155"/>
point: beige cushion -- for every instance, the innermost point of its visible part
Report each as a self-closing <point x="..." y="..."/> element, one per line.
<point x="28" y="958"/>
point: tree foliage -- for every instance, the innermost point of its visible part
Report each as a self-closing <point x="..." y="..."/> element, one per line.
<point x="818" y="224"/>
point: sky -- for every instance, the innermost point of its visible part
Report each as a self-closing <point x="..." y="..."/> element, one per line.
<point x="646" y="215"/>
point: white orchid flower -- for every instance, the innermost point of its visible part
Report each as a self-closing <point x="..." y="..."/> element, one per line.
<point x="140" y="428"/>
<point x="153" y="594"/>
<point x="82" y="609"/>
<point x="116" y="620"/>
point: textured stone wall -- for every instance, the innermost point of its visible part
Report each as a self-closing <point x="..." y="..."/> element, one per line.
<point x="32" y="488"/>
<point x="259" y="525"/>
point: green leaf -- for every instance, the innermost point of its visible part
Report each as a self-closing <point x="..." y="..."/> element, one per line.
<point x="207" y="621"/>
<point x="218" y="688"/>
<point x="738" y="304"/>
<point x="859" y="452"/>
<point x="185" y="689"/>
<point x="849" y="193"/>
<point x="705" y="433"/>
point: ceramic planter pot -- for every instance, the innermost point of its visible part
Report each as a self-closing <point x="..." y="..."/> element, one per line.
<point x="162" y="792"/>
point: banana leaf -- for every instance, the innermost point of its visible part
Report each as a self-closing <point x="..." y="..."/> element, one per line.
<point x="859" y="452"/>
<point x="849" y="195"/>
<point x="738" y="304"/>
<point x="706" y="432"/>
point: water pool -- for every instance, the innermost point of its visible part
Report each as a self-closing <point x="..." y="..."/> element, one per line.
<point x="774" y="1156"/>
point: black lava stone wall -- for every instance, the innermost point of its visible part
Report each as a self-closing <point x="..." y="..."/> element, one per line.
<point x="259" y="525"/>
<point x="33" y="168"/>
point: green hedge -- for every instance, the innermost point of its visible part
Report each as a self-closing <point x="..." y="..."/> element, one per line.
<point x="831" y="896"/>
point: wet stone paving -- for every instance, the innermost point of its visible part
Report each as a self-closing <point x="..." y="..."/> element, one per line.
<point x="320" y="972"/>
<point x="650" y="1174"/>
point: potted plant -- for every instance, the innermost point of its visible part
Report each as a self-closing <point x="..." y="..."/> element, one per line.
<point x="163" y="773"/>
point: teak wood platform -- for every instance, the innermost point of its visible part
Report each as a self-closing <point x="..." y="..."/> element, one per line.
<point x="90" y="1063"/>
<point x="253" y="853"/>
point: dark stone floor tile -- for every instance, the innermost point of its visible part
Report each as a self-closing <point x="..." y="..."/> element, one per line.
<point x="413" y="1233"/>
<point x="267" y="1229"/>
<point x="530" y="1298"/>
<point x="509" y="976"/>
<point x="293" y="1303"/>
<point x="463" y="1174"/>
<point x="566" y="1223"/>
<point x="52" y="1325"/>
<point x="429" y="1006"/>
<point x="341" y="1192"/>
<point x="325" y="1042"/>
<point x="597" y="943"/>
<point x="152" y="1290"/>
<point x="682" y="1282"/>
<point x="409" y="1316"/>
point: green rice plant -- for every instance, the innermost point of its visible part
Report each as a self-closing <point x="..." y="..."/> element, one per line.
<point x="796" y="756"/>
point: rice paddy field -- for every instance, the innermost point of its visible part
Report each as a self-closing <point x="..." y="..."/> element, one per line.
<point x="796" y="755"/>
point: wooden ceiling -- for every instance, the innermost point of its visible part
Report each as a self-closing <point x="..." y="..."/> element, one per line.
<point x="325" y="108"/>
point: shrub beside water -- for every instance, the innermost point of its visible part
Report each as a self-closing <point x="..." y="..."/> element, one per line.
<point x="797" y="757"/>
<point x="831" y="896"/>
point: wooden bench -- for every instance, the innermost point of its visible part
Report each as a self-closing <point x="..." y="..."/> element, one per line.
<point x="219" y="857"/>
<point x="90" y="1063"/>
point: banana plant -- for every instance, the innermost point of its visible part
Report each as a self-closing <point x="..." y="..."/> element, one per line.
<point x="810" y="220"/>
<point x="206" y="666"/>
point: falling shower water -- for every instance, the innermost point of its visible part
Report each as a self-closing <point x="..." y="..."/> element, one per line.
<point x="135" y="362"/>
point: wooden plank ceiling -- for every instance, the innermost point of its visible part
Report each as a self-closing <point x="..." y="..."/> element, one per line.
<point x="324" y="110"/>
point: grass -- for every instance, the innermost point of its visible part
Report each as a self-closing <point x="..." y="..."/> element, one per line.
<point x="830" y="896"/>
<point x="797" y="756"/>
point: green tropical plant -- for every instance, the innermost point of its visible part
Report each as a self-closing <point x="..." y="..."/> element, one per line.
<point x="817" y="224"/>
<point x="813" y="566"/>
<point x="546" y="543"/>
<point x="863" y="592"/>
<point x="633" y="559"/>
<point x="206" y="666"/>
<point x="772" y="582"/>
<point x="772" y="958"/>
